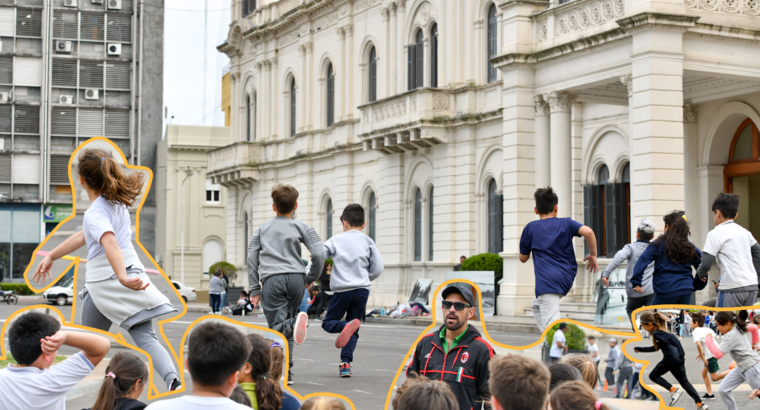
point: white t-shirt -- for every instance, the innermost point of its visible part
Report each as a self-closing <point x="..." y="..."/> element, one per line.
<point x="699" y="334"/>
<point x="594" y="349"/>
<point x="101" y="217"/>
<point x="556" y="352"/>
<point x="196" y="403"/>
<point x="25" y="388"/>
<point x="730" y="243"/>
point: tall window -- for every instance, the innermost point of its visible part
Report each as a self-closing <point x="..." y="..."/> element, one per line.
<point x="248" y="118"/>
<point x="495" y="219"/>
<point x="293" y="107"/>
<point x="434" y="56"/>
<point x="246" y="239"/>
<point x="606" y="208"/>
<point x="418" y="225"/>
<point x="328" y="219"/>
<point x="248" y="7"/>
<point x="492" y="41"/>
<point x="372" y="75"/>
<point x="414" y="62"/>
<point x="254" y="116"/>
<point x="373" y="217"/>
<point x="330" y="95"/>
<point x="430" y="226"/>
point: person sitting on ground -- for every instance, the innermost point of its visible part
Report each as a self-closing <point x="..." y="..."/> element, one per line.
<point x="421" y="393"/>
<point x="575" y="395"/>
<point x="277" y="356"/>
<point x="264" y="391"/>
<point x="126" y="377"/>
<point x="315" y="301"/>
<point x="240" y="396"/>
<point x="215" y="354"/>
<point x="562" y="373"/>
<point x="585" y="364"/>
<point x="323" y="403"/>
<point x="242" y="305"/>
<point x="518" y="382"/>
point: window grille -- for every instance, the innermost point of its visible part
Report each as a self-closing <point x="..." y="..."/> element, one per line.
<point x="63" y="121"/>
<point x="90" y="123"/>
<point x="5" y="118"/>
<point x="6" y="70"/>
<point x="118" y="76"/>
<point x="93" y="25"/>
<point x="119" y="28"/>
<point x="28" y="23"/>
<point x="5" y="169"/>
<point x="64" y="73"/>
<point x="117" y="124"/>
<point x="59" y="170"/>
<point x="65" y="24"/>
<point x="27" y="119"/>
<point x="91" y="74"/>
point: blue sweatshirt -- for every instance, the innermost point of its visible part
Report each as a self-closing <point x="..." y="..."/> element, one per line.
<point x="670" y="279"/>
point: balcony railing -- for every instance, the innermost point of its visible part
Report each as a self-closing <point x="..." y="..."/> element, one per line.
<point x="235" y="164"/>
<point x="576" y="19"/>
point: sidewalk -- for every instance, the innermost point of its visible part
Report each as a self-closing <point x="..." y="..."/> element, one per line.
<point x="623" y="404"/>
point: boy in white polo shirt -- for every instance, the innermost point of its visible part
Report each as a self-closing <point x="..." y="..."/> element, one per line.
<point x="34" y="383"/>
<point x="737" y="252"/>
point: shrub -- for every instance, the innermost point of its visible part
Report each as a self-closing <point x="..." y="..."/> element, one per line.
<point x="576" y="337"/>
<point x="330" y="261"/>
<point x="19" y="288"/>
<point x="485" y="262"/>
<point x="226" y="267"/>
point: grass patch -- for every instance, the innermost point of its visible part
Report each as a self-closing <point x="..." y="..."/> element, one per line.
<point x="9" y="359"/>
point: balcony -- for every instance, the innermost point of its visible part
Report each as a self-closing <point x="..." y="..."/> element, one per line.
<point x="235" y="165"/>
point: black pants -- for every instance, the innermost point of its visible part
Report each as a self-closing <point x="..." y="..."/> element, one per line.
<point x="324" y="301"/>
<point x="635" y="303"/>
<point x="609" y="376"/>
<point x="678" y="370"/>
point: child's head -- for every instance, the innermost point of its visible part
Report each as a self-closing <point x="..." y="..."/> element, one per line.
<point x="728" y="320"/>
<point x="575" y="395"/>
<point x="25" y="335"/>
<point x="126" y="377"/>
<point x="561" y="373"/>
<point x="423" y="394"/>
<point x="518" y="382"/>
<point x="646" y="229"/>
<point x="314" y="290"/>
<point x="277" y="357"/>
<point x="725" y="207"/>
<point x="239" y="396"/>
<point x="546" y="201"/>
<point x="591" y="340"/>
<point x="353" y="217"/>
<point x="613" y="342"/>
<point x="756" y="320"/>
<point x="584" y="364"/>
<point x="676" y="238"/>
<point x="323" y="403"/>
<point x="284" y="199"/>
<point x="697" y="319"/>
<point x="99" y="172"/>
<point x="243" y="294"/>
<point x="653" y="320"/>
<point x="257" y="370"/>
<point x="215" y="354"/>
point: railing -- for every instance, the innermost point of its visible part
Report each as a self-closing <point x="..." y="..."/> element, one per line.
<point x="578" y="18"/>
<point x="234" y="163"/>
<point x="410" y="107"/>
<point x="745" y="7"/>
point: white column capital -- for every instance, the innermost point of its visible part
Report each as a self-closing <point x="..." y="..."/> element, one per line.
<point x="560" y="100"/>
<point x="542" y="107"/>
<point x="690" y="113"/>
<point x="627" y="80"/>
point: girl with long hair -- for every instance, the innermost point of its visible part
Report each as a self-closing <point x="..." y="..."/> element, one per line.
<point x="738" y="341"/>
<point x="585" y="365"/>
<point x="277" y="355"/>
<point x="673" y="358"/>
<point x="674" y="257"/>
<point x="117" y="290"/>
<point x="126" y="377"/>
<point x="255" y="378"/>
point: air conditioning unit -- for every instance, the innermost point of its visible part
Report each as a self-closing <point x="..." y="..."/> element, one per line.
<point x="62" y="47"/>
<point x="114" y="4"/>
<point x="97" y="1"/>
<point x="66" y="99"/>
<point x="3" y="97"/>
<point x="114" y="49"/>
<point x="91" y="94"/>
<point x="71" y="3"/>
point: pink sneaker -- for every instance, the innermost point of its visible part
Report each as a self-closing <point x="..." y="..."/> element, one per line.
<point x="347" y="332"/>
<point x="299" y="329"/>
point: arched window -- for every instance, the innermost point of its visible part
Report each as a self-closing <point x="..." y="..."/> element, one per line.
<point x="293" y="107"/>
<point x="248" y="7"/>
<point x="607" y="211"/>
<point x="246" y="237"/>
<point x="742" y="174"/>
<point x="414" y="62"/>
<point x="746" y="144"/>
<point x="430" y="226"/>
<point x="493" y="25"/>
<point x="372" y="217"/>
<point x="434" y="56"/>
<point x="418" y="225"/>
<point x="330" y="95"/>
<point x="329" y="219"/>
<point x="495" y="219"/>
<point x="248" y="118"/>
<point x="254" y="117"/>
<point x="213" y="252"/>
<point x="372" y="75"/>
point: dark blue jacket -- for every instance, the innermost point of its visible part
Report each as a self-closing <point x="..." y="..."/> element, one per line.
<point x="670" y="279"/>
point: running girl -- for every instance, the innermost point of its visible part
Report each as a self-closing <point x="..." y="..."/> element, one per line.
<point x="738" y="339"/>
<point x="117" y="289"/>
<point x="672" y="360"/>
<point x="125" y="380"/>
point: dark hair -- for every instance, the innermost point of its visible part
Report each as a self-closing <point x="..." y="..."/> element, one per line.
<point x="644" y="235"/>
<point x="354" y="215"/>
<point x="591" y="338"/>
<point x="574" y="395"/>
<point x="658" y="320"/>
<point x="25" y="334"/>
<point x="268" y="391"/>
<point x="239" y="396"/>
<point x="727" y="204"/>
<point x="561" y="373"/>
<point x="562" y="326"/>
<point x="215" y="351"/>
<point x="698" y="318"/>
<point x="244" y="293"/>
<point x="756" y="320"/>
<point x="519" y="381"/>
<point x="546" y="199"/>
<point x="277" y="357"/>
<point x="128" y="369"/>
<point x="103" y="174"/>
<point x="739" y="321"/>
<point x="284" y="198"/>
<point x="676" y="239"/>
<point x="422" y="393"/>
<point x="584" y="364"/>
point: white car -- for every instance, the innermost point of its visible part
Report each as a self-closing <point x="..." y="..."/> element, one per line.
<point x="187" y="293"/>
<point x="62" y="294"/>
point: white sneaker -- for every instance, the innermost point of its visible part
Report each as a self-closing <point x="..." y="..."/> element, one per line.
<point x="675" y="396"/>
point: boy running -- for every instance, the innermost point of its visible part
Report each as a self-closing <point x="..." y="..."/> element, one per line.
<point x="699" y="333"/>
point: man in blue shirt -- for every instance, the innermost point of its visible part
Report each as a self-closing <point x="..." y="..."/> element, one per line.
<point x="550" y="239"/>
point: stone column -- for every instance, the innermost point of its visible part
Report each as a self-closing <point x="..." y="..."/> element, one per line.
<point x="389" y="52"/>
<point x="691" y="179"/>
<point x="399" y="63"/>
<point x="340" y="74"/>
<point x="348" y="72"/>
<point x="560" y="104"/>
<point x="542" y="143"/>
<point x="304" y="69"/>
<point x="627" y="80"/>
<point x="309" y="87"/>
<point x="275" y="104"/>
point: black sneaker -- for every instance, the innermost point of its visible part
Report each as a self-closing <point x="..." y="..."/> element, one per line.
<point x="175" y="385"/>
<point x="709" y="396"/>
<point x="290" y="378"/>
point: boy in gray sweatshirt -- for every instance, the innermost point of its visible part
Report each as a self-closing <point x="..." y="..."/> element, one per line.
<point x="274" y="259"/>
<point x="356" y="262"/>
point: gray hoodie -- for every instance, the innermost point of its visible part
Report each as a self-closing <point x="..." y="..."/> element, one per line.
<point x="631" y="253"/>
<point x="356" y="261"/>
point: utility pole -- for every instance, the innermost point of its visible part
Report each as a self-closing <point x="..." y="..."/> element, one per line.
<point x="205" y="54"/>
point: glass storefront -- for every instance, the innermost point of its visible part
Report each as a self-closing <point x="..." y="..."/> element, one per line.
<point x="20" y="234"/>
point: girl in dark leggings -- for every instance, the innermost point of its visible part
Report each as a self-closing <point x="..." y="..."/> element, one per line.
<point x="672" y="361"/>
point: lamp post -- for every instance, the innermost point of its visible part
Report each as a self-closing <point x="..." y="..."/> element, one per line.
<point x="188" y="174"/>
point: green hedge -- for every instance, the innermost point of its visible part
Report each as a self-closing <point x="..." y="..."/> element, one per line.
<point x="226" y="267"/>
<point x="576" y="337"/>
<point x="330" y="261"/>
<point x="485" y="262"/>
<point x="19" y="288"/>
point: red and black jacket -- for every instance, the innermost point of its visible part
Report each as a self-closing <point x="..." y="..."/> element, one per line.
<point x="464" y="368"/>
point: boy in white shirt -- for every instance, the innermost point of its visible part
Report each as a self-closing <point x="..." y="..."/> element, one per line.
<point x="215" y="354"/>
<point x="699" y="332"/>
<point x="34" y="382"/>
<point x="737" y="252"/>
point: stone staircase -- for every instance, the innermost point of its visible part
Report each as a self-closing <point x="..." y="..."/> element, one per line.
<point x="580" y="311"/>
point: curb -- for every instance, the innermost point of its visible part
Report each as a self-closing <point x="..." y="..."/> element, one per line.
<point x="83" y="389"/>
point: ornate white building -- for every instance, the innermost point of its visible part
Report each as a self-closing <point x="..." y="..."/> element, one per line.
<point x="442" y="117"/>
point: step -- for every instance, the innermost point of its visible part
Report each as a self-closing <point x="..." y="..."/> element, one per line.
<point x="575" y="315"/>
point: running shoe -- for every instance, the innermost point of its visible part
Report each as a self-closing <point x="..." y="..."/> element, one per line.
<point x="348" y="331"/>
<point x="345" y="370"/>
<point x="290" y="378"/>
<point x="175" y="385"/>
<point x="299" y="327"/>
<point x="702" y="406"/>
<point x="675" y="396"/>
<point x="709" y="396"/>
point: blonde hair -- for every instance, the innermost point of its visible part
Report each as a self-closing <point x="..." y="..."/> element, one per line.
<point x="323" y="403"/>
<point x="585" y="365"/>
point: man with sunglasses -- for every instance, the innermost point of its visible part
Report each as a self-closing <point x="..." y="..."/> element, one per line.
<point x="456" y="353"/>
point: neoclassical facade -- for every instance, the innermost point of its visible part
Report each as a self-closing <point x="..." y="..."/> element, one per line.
<point x="442" y="118"/>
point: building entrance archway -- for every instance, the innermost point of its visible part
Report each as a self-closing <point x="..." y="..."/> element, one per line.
<point x="742" y="174"/>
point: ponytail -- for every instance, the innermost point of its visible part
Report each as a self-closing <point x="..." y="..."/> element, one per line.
<point x="676" y="239"/>
<point x="575" y="395"/>
<point x="122" y="373"/>
<point x="104" y="175"/>
<point x="739" y="321"/>
<point x="268" y="390"/>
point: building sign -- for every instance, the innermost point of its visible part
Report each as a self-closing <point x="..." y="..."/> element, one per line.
<point x="57" y="213"/>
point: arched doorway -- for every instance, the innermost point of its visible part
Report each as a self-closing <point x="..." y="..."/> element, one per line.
<point x="742" y="174"/>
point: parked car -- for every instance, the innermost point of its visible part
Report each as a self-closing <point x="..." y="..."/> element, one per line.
<point x="187" y="293"/>
<point x="61" y="294"/>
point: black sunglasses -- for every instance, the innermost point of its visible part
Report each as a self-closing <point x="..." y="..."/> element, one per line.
<point x="459" y="306"/>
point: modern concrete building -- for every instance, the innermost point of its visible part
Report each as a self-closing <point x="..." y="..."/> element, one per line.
<point x="182" y="152"/>
<point x="442" y="118"/>
<point x="71" y="70"/>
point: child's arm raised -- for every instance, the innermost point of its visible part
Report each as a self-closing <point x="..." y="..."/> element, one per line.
<point x="588" y="234"/>
<point x="116" y="259"/>
<point x="93" y="347"/>
<point x="68" y="246"/>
